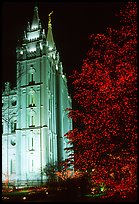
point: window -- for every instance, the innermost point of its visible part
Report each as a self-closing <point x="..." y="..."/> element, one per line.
<point x="13" y="143"/>
<point x="31" y="141"/>
<point x="50" y="104"/>
<point x="50" y="143"/>
<point x="12" y="166"/>
<point x="31" y="81"/>
<point x="31" y="118"/>
<point x="13" y="103"/>
<point x="50" y="123"/>
<point x="13" y="126"/>
<point x="31" y="98"/>
<point x="32" y="75"/>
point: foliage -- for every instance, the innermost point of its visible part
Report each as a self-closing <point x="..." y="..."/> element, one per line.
<point x="105" y="116"/>
<point x="68" y="174"/>
<point x="49" y="170"/>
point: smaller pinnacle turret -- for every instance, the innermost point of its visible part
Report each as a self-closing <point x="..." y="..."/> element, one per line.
<point x="36" y="20"/>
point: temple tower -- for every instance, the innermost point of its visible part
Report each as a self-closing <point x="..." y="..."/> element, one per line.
<point x="38" y="115"/>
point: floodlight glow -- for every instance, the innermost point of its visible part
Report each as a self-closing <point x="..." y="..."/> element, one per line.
<point x="33" y="35"/>
<point x="34" y="26"/>
<point x="50" y="48"/>
<point x="32" y="48"/>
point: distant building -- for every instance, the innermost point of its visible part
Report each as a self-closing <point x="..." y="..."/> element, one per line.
<point x="34" y="115"/>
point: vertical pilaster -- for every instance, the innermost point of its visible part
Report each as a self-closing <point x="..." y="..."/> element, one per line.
<point x="59" y="118"/>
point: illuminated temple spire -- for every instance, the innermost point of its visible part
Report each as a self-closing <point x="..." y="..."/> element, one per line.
<point x="36" y="20"/>
<point x="50" y="39"/>
<point x="34" y="119"/>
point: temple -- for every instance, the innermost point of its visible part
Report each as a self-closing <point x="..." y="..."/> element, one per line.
<point x="34" y="113"/>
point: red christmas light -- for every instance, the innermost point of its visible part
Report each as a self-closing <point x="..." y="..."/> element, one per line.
<point x="105" y="137"/>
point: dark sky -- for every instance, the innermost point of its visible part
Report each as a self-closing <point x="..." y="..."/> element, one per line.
<point x="72" y="24"/>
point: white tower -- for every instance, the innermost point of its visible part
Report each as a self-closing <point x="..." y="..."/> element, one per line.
<point x="39" y="115"/>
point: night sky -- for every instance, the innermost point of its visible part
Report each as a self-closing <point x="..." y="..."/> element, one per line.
<point x="72" y="24"/>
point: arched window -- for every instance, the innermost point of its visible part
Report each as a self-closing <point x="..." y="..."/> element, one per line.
<point x="31" y="118"/>
<point x="13" y="101"/>
<point x="13" y="125"/>
<point x="31" y="98"/>
<point x="12" y="166"/>
<point x="31" y="141"/>
<point x="31" y="75"/>
<point x="51" y="143"/>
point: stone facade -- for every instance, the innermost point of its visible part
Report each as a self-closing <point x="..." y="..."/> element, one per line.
<point x="34" y="115"/>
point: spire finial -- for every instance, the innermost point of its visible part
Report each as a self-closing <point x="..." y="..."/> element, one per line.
<point x="36" y="20"/>
<point x="49" y="20"/>
<point x="50" y="39"/>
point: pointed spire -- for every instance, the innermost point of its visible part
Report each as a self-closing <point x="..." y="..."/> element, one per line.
<point x="49" y="38"/>
<point x="36" y="20"/>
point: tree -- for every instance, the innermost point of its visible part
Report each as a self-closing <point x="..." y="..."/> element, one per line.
<point x="105" y="116"/>
<point x="50" y="170"/>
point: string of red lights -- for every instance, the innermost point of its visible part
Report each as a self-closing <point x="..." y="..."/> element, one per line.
<point x="105" y="91"/>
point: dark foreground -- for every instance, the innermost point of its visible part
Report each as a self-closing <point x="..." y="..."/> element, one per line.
<point x="60" y="196"/>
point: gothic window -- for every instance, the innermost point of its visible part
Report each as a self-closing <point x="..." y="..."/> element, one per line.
<point x="13" y="142"/>
<point x="31" y="141"/>
<point x="50" y="143"/>
<point x="31" y="118"/>
<point x="12" y="166"/>
<point x="13" y="102"/>
<point x="31" y="98"/>
<point x="31" y="75"/>
<point x="50" y="104"/>
<point x="13" y="126"/>
<point x="32" y="123"/>
<point x="49" y="123"/>
<point x="49" y="81"/>
<point x="31" y="78"/>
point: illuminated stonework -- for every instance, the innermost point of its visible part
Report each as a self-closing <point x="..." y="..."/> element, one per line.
<point x="34" y="116"/>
